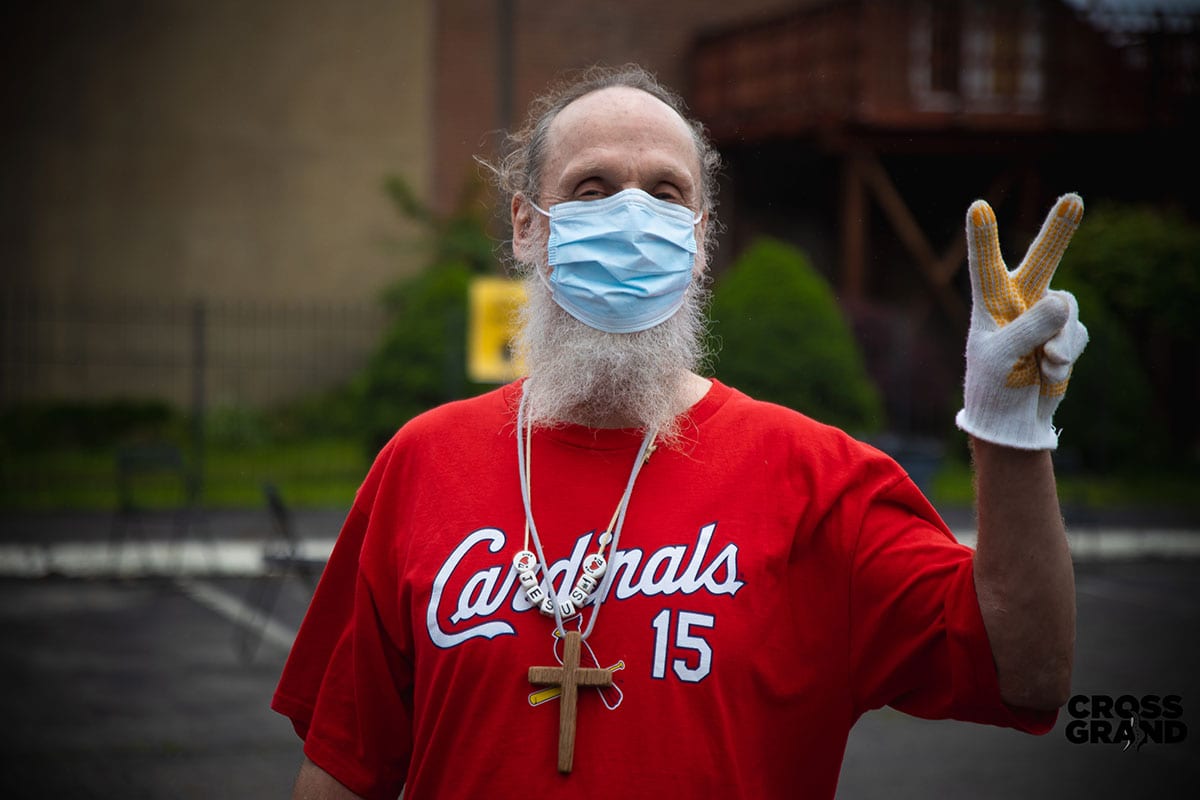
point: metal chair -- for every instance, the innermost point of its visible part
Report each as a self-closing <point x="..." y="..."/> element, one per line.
<point x="282" y="557"/>
<point x="152" y="479"/>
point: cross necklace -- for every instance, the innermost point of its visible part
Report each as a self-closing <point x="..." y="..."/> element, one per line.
<point x="570" y="676"/>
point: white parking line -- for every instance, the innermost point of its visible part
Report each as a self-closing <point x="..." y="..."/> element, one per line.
<point x="237" y="611"/>
<point x="1115" y="544"/>
<point x="140" y="559"/>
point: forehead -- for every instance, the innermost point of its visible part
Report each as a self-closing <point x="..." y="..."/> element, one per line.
<point x="623" y="126"/>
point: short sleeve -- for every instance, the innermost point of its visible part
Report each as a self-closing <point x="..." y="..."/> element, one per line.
<point x="346" y="685"/>
<point x="329" y="615"/>
<point x="917" y="640"/>
<point x="361" y="731"/>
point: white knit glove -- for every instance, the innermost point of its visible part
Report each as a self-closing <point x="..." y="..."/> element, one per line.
<point x="1023" y="339"/>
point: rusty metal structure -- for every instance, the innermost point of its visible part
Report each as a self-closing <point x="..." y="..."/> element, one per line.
<point x="861" y="130"/>
<point x="1029" y="86"/>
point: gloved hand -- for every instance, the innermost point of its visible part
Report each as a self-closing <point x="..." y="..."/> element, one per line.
<point x="1023" y="339"/>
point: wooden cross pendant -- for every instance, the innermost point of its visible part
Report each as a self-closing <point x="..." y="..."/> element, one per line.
<point x="569" y="677"/>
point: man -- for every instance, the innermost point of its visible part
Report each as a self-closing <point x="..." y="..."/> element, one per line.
<point x="617" y="578"/>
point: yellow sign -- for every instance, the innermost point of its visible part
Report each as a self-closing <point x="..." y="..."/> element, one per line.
<point x="492" y="329"/>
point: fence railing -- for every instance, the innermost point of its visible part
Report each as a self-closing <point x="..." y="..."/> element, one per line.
<point x="195" y="355"/>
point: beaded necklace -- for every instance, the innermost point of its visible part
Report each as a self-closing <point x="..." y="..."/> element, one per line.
<point x="592" y="586"/>
<point x="594" y="581"/>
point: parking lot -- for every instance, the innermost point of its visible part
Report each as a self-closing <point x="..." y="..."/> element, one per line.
<point x="139" y="687"/>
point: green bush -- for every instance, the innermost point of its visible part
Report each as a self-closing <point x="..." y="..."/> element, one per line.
<point x="783" y="339"/>
<point x="421" y="359"/>
<point x="1136" y="274"/>
<point x="1144" y="264"/>
<point x="330" y="414"/>
<point x="1106" y="416"/>
<point x="87" y="424"/>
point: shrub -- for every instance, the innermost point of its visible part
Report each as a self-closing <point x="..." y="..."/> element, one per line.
<point x="1106" y="417"/>
<point x="1136" y="274"/>
<point x="1144" y="264"/>
<point x="420" y="361"/>
<point x="91" y="425"/>
<point x="783" y="339"/>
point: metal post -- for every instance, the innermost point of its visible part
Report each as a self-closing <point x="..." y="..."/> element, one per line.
<point x="854" y="230"/>
<point x="504" y="63"/>
<point x="199" y="336"/>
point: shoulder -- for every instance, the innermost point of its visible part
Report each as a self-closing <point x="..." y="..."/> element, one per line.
<point x="776" y="425"/>
<point x="442" y="436"/>
<point x="822" y="465"/>
<point x="837" y="482"/>
<point x="461" y="418"/>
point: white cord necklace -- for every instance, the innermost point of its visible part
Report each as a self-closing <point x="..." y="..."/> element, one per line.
<point x="595" y="580"/>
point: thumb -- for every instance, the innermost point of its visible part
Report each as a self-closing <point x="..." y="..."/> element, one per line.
<point x="1038" y="325"/>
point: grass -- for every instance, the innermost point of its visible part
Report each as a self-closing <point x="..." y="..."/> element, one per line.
<point x="952" y="485"/>
<point x="322" y="473"/>
<point x="325" y="473"/>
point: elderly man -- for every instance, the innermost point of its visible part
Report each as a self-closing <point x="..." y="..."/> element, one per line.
<point x="617" y="578"/>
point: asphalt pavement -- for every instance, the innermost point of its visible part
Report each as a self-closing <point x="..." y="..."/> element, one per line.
<point x="151" y="687"/>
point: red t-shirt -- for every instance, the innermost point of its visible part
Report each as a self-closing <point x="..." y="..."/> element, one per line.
<point x="775" y="580"/>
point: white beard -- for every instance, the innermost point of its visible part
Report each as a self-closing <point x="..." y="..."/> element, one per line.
<point x="581" y="375"/>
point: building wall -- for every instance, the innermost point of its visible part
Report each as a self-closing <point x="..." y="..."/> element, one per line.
<point x="546" y="39"/>
<point x="217" y="150"/>
<point x="176" y="151"/>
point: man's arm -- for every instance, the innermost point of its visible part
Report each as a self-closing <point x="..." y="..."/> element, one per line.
<point x="1024" y="339"/>
<point x="1023" y="575"/>
<point x="314" y="783"/>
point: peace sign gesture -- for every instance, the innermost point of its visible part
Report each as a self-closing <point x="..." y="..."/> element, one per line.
<point x="1024" y="337"/>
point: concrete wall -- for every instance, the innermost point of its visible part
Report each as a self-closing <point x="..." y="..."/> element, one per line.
<point x="177" y="150"/>
<point x="218" y="149"/>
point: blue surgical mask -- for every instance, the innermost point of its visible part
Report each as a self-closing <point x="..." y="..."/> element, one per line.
<point x="621" y="264"/>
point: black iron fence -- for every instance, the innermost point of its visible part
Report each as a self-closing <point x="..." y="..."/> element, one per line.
<point x="195" y="355"/>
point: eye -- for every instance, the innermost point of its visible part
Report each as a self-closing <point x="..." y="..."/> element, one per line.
<point x="592" y="188"/>
<point x="669" y="193"/>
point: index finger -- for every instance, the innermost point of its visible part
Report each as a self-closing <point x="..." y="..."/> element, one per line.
<point x="990" y="285"/>
<point x="1036" y="270"/>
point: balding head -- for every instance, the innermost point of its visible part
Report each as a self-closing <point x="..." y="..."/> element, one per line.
<point x="521" y="169"/>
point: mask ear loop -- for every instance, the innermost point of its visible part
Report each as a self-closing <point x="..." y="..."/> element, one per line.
<point x="541" y="275"/>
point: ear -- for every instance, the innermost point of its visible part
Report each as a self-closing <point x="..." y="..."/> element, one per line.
<point x="523" y="229"/>
<point x="701" y="238"/>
